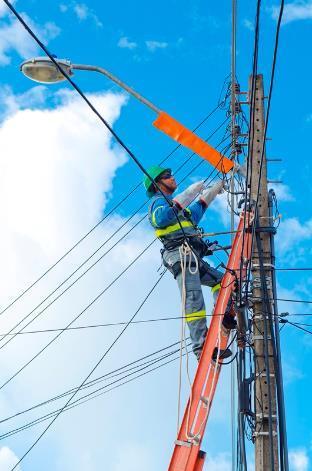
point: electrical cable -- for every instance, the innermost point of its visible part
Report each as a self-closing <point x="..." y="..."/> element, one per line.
<point x="122" y="200"/>
<point x="268" y="110"/>
<point x="82" y="384"/>
<point x="113" y="373"/>
<point x="295" y="324"/>
<point x="283" y="445"/>
<point x="86" y="271"/>
<point x="287" y="300"/>
<point x="268" y="328"/>
<point x="251" y="127"/>
<point x="111" y="324"/>
<point x="92" y="107"/>
<point x="95" y="394"/>
<point x="82" y="312"/>
<point x="96" y="112"/>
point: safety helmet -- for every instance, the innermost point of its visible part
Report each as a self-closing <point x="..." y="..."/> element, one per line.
<point x="154" y="172"/>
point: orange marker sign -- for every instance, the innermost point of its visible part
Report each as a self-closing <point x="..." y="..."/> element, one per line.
<point x="187" y="138"/>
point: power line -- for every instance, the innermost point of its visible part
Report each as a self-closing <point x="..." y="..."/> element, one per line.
<point x="85" y="380"/>
<point x="292" y="269"/>
<point x="283" y="314"/>
<point x="93" y="264"/>
<point x="129" y="152"/>
<point x="110" y="324"/>
<point x="138" y="185"/>
<point x="99" y="392"/>
<point x="83" y="311"/>
<point x="287" y="300"/>
<point x="113" y="373"/>
<point x="96" y="112"/>
<point x="294" y="324"/>
<point x="267" y="116"/>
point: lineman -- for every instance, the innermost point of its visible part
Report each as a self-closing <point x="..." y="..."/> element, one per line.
<point x="190" y="270"/>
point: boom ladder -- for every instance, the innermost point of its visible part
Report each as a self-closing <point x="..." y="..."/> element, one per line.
<point x="187" y="455"/>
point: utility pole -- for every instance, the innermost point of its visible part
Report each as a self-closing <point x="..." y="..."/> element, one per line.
<point x="233" y="155"/>
<point x="265" y="435"/>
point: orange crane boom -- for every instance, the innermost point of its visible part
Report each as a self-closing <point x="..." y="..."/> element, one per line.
<point x="187" y="455"/>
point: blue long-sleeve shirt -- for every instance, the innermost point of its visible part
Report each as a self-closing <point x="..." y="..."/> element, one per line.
<point x="162" y="215"/>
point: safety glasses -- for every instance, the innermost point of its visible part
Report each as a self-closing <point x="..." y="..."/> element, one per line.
<point x="165" y="176"/>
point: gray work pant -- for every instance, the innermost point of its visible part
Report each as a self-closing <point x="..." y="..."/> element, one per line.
<point x="195" y="311"/>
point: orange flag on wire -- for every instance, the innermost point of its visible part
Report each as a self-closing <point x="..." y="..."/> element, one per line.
<point x="187" y="138"/>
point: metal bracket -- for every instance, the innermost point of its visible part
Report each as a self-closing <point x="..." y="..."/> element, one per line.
<point x="260" y="318"/>
<point x="195" y="439"/>
<point x="204" y="400"/>
<point x="264" y="375"/>
<point x="265" y="416"/>
<point x="183" y="443"/>
<point x="264" y="265"/>
<point x="268" y="229"/>
<point x="264" y="434"/>
<point x="261" y="337"/>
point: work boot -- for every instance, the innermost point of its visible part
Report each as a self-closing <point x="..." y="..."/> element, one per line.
<point x="223" y="354"/>
<point x="229" y="322"/>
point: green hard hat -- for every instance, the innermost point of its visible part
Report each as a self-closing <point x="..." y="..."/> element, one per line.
<point x="154" y="172"/>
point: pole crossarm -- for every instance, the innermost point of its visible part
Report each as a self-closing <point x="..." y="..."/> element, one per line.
<point x="187" y="455"/>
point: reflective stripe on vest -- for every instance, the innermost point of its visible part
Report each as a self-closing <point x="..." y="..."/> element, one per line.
<point x="216" y="288"/>
<point x="172" y="228"/>
<point x="194" y="316"/>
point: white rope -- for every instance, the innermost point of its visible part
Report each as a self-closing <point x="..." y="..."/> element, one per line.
<point x="217" y="360"/>
<point x="185" y="253"/>
<point x="216" y="367"/>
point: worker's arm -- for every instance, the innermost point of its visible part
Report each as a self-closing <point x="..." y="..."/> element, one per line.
<point x="161" y="214"/>
<point x="197" y="210"/>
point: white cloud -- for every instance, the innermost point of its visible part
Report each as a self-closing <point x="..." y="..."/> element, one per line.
<point x="283" y="192"/>
<point x="309" y="118"/>
<point x="152" y="46"/>
<point x="10" y="103"/>
<point x="291" y="373"/>
<point x="220" y="462"/>
<point x="221" y="208"/>
<point x="82" y="12"/>
<point x="295" y="11"/>
<point x="291" y="233"/>
<point x="4" y="9"/>
<point x="8" y="459"/>
<point x="63" y="8"/>
<point x="57" y="172"/>
<point x="248" y="24"/>
<point x="13" y="37"/>
<point x="58" y="152"/>
<point x="124" y="43"/>
<point x="298" y="460"/>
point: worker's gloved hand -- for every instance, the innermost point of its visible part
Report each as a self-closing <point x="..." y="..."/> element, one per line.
<point x="182" y="200"/>
<point x="240" y="169"/>
<point x="209" y="195"/>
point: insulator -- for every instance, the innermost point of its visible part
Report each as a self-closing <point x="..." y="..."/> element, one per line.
<point x="238" y="148"/>
<point x="237" y="88"/>
<point x="237" y="108"/>
<point x="237" y="130"/>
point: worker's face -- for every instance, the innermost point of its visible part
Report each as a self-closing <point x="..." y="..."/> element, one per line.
<point x="167" y="183"/>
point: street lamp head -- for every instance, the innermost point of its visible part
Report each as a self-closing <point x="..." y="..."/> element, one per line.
<point x="43" y="70"/>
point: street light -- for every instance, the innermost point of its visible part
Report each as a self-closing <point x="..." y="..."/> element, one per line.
<point x="44" y="70"/>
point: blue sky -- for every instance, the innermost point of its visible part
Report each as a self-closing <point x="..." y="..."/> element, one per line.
<point x="60" y="171"/>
